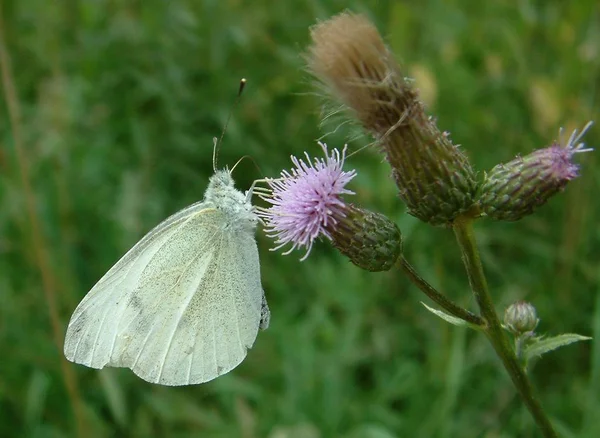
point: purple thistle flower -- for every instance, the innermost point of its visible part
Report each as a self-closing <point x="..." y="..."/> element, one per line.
<point x="561" y="156"/>
<point x="307" y="200"/>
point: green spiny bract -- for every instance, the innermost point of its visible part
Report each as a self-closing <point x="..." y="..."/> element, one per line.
<point x="370" y="240"/>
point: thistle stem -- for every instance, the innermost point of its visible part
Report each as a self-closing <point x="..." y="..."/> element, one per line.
<point x="437" y="297"/>
<point x="463" y="229"/>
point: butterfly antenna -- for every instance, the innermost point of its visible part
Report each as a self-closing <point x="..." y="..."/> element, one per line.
<point x="251" y="159"/>
<point x="217" y="143"/>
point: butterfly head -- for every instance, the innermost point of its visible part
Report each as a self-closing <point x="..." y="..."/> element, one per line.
<point x="221" y="180"/>
<point x="225" y="197"/>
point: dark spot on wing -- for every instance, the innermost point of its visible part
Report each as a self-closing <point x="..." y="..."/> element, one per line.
<point x="135" y="302"/>
<point x="82" y="318"/>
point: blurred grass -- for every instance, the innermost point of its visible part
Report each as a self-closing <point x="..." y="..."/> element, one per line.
<point x="119" y="101"/>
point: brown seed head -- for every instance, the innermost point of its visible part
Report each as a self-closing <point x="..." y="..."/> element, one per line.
<point x="435" y="178"/>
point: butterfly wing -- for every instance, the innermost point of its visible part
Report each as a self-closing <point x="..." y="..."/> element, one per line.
<point x="181" y="307"/>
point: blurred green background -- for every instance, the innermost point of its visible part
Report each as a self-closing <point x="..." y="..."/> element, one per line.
<point x="117" y="102"/>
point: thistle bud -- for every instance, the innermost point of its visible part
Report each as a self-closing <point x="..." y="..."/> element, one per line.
<point x="515" y="189"/>
<point x="370" y="240"/>
<point x="520" y="318"/>
<point x="434" y="177"/>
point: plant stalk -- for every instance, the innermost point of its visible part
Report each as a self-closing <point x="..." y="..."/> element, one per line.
<point x="463" y="229"/>
<point x="437" y="297"/>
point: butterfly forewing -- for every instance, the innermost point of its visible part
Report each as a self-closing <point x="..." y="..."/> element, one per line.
<point x="94" y="322"/>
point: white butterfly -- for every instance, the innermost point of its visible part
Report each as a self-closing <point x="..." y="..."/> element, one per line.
<point x="184" y="305"/>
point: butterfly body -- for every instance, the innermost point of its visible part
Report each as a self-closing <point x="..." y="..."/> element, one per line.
<point x="184" y="305"/>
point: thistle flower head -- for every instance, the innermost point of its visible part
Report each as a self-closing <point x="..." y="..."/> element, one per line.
<point x="434" y="177"/>
<point x="306" y="201"/>
<point x="515" y="189"/>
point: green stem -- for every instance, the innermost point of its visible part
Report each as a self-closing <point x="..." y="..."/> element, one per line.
<point x="437" y="297"/>
<point x="470" y="254"/>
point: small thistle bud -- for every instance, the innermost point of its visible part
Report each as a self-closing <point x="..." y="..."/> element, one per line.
<point x="434" y="177"/>
<point x="515" y="189"/>
<point x="520" y="318"/>
<point x="370" y="240"/>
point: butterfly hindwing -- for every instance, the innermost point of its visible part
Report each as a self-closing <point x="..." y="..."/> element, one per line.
<point x="181" y="307"/>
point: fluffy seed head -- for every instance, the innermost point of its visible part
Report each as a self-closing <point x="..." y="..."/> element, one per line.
<point x="350" y="58"/>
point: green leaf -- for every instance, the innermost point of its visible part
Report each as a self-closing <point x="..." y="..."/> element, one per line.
<point x="539" y="346"/>
<point x="451" y="319"/>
